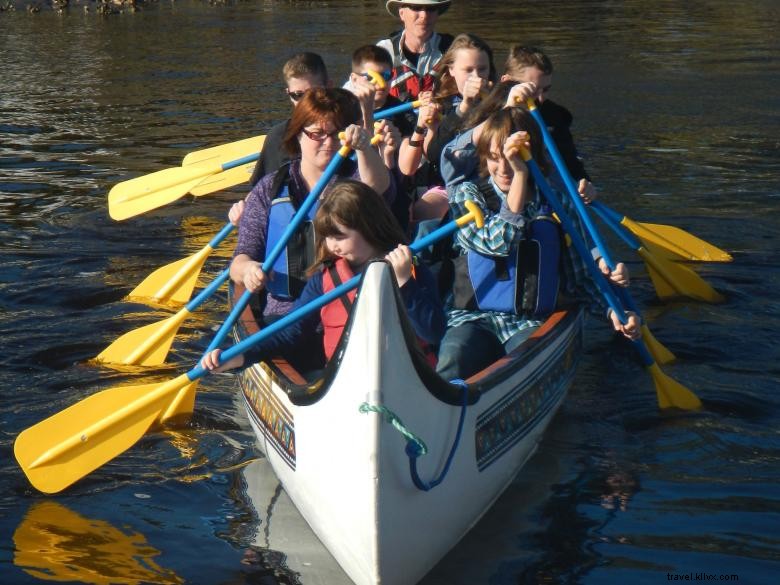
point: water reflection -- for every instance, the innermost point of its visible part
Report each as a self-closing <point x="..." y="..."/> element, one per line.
<point x="55" y="543"/>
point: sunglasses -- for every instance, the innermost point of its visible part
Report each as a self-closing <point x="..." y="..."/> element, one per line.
<point x="417" y="8"/>
<point x="386" y="75"/>
<point x="295" y="95"/>
<point x="320" y="135"/>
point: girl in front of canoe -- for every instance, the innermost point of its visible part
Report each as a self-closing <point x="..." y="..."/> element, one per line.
<point x="312" y="138"/>
<point x="354" y="227"/>
<point x="512" y="271"/>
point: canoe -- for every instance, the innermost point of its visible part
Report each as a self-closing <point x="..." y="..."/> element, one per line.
<point x="346" y="468"/>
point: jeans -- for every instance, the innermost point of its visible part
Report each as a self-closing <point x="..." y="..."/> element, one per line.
<point x="471" y="347"/>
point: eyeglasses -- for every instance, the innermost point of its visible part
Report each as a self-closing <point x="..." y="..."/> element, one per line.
<point x="418" y="8"/>
<point x="294" y="95"/>
<point x="319" y="135"/>
<point x="386" y="75"/>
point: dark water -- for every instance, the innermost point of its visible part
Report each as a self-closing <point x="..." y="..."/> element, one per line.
<point x="676" y="108"/>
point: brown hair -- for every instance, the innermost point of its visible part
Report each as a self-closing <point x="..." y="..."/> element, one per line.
<point x="305" y="64"/>
<point x="503" y="123"/>
<point x="370" y="53"/>
<point x="445" y="85"/>
<point x="321" y="103"/>
<point x="521" y="58"/>
<point x="356" y="206"/>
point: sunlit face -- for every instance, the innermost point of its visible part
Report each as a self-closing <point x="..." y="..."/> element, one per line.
<point x="468" y="62"/>
<point x="542" y="80"/>
<point x="499" y="168"/>
<point x="350" y="245"/>
<point x="319" y="142"/>
<point x="296" y="86"/>
<point x="419" y="21"/>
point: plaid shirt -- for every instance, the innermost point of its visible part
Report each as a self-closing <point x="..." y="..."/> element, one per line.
<point x="499" y="234"/>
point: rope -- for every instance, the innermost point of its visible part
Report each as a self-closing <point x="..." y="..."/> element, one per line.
<point x="393" y="419"/>
<point x="415" y="447"/>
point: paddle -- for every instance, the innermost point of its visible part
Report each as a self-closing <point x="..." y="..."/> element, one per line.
<point x="669" y="392"/>
<point x="670" y="279"/>
<point x="174" y="283"/>
<point x="148" y="192"/>
<point x="673" y="242"/>
<point x="65" y="447"/>
<point x="149" y="345"/>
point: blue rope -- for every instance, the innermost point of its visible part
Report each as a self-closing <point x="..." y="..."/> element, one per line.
<point x="413" y="453"/>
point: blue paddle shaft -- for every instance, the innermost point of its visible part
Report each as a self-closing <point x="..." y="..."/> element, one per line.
<point x="240" y="161"/>
<point x="390" y="112"/>
<point x="296" y="315"/>
<point x="608" y="217"/>
<point x="208" y="291"/>
<point x="221" y="235"/>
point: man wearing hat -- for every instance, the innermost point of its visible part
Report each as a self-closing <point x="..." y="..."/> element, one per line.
<point x="417" y="48"/>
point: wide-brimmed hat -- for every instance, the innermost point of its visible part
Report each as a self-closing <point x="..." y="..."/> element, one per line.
<point x="393" y="5"/>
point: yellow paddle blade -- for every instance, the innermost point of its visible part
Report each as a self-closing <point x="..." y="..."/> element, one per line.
<point x="145" y="346"/>
<point x="173" y="283"/>
<point x="53" y="543"/>
<point x="663" y="289"/>
<point x="659" y="352"/>
<point x="225" y="152"/>
<point x="65" y="447"/>
<point x="142" y="194"/>
<point x="680" y="279"/>
<point x="224" y="180"/>
<point x="677" y="242"/>
<point x="670" y="393"/>
<point x="182" y="405"/>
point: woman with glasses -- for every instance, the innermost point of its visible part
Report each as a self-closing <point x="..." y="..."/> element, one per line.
<point x="312" y="141"/>
<point x="417" y="48"/>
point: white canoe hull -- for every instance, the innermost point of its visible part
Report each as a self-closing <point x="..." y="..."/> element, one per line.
<point x="346" y="469"/>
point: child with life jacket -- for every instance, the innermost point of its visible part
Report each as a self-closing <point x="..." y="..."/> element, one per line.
<point x="511" y="271"/>
<point x="354" y="227"/>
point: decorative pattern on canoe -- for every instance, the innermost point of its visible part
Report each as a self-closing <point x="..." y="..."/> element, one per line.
<point x="508" y="421"/>
<point x="268" y="413"/>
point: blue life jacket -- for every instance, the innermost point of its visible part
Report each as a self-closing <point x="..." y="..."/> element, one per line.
<point x="524" y="282"/>
<point x="289" y="270"/>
